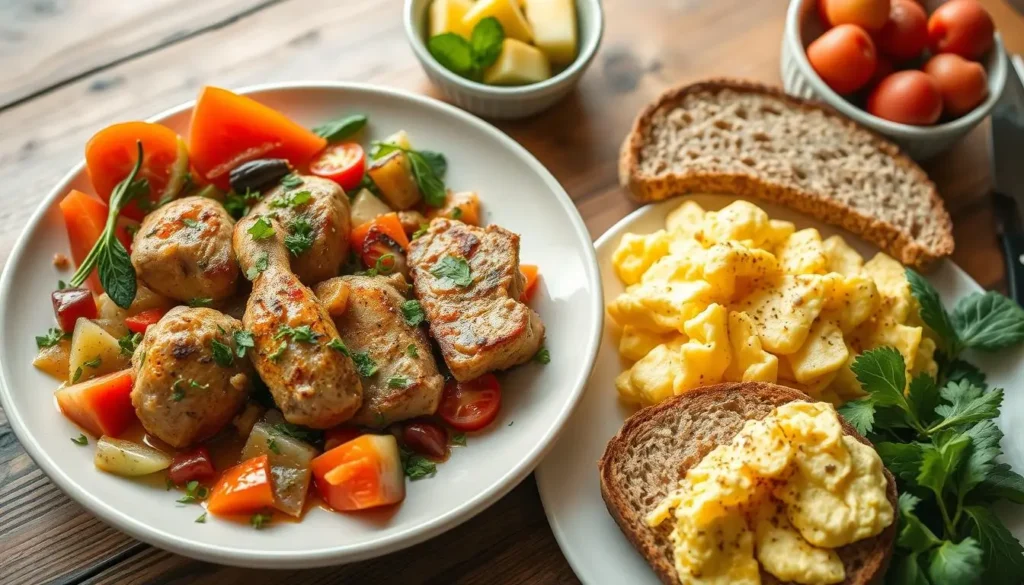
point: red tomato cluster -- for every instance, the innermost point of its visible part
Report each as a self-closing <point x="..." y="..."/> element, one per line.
<point x="905" y="65"/>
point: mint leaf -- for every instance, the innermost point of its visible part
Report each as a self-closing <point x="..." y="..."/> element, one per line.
<point x="940" y="462"/>
<point x="968" y="407"/>
<point x="933" y="313"/>
<point x="905" y="570"/>
<point x="436" y="161"/>
<point x="261" y="229"/>
<point x="1004" y="556"/>
<point x="453" y="53"/>
<point x="485" y="42"/>
<point x="955" y="564"/>
<point x="454" y="269"/>
<point x="412" y="313"/>
<point x="860" y="414"/>
<point x="428" y="182"/>
<point x="985" y="437"/>
<point x="341" y="128"/>
<point x="902" y="459"/>
<point x="914" y="535"/>
<point x="1002" y="483"/>
<point x="988" y="321"/>
<point x="52" y="338"/>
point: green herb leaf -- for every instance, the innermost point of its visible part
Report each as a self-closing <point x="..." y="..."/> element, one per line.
<point x="243" y="342"/>
<point x="129" y="343"/>
<point x="77" y="375"/>
<point x="940" y="462"/>
<point x="61" y="285"/>
<point x="238" y="205"/>
<point x="453" y="269"/>
<point x="300" y="236"/>
<point x="341" y="128"/>
<point x="417" y="466"/>
<point x="429" y="183"/>
<point x="902" y="459"/>
<point x="981" y="455"/>
<point x="338" y="346"/>
<point x="453" y="53"/>
<point x="955" y="563"/>
<point x="412" y="313"/>
<point x="543" y="356"/>
<point x="93" y="363"/>
<point x="291" y="199"/>
<point x="458" y="439"/>
<point x="905" y="570"/>
<point x="200" y="302"/>
<point x="272" y="445"/>
<point x="117" y="275"/>
<point x="201" y="519"/>
<point x="261" y="229"/>
<point x="1004" y="556"/>
<point x="422" y="230"/>
<point x="259" y="520"/>
<point x="189" y="222"/>
<point x="222" y="353"/>
<point x="194" y="492"/>
<point x="257" y="268"/>
<point x="400" y="382"/>
<point x="177" y="392"/>
<point x="365" y="366"/>
<point x="277" y="353"/>
<point x="52" y="338"/>
<point x="959" y="370"/>
<point x="436" y="161"/>
<point x="914" y="535"/>
<point x="860" y="414"/>
<point x="968" y="406"/>
<point x="485" y="42"/>
<point x="456" y="213"/>
<point x="933" y="313"/>
<point x="82" y="440"/>
<point x="302" y="333"/>
<point x="988" y="321"/>
<point x="298" y="432"/>
<point x="1002" y="483"/>
<point x="411" y="351"/>
<point x="923" y="397"/>
<point x="291" y="181"/>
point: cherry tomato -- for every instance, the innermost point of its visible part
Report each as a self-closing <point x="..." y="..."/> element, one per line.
<point x="962" y="27"/>
<point x="342" y="163"/>
<point x="867" y="14"/>
<point x="907" y="97"/>
<point x="472" y="405"/>
<point x="340" y="436"/>
<point x="905" y="34"/>
<point x="71" y="304"/>
<point x="844" y="57"/>
<point x="191" y="465"/>
<point x="426" y="438"/>
<point x="962" y="83"/>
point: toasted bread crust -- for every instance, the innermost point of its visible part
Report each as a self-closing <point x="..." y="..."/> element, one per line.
<point x="885" y="235"/>
<point x="866" y="561"/>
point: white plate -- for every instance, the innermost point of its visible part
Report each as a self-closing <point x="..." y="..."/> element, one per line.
<point x="516" y="192"/>
<point x="568" y="478"/>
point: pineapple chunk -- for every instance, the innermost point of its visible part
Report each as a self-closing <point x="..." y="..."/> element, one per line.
<point x="400" y="139"/>
<point x="518" y="64"/>
<point x="446" y="16"/>
<point x="553" y="23"/>
<point x="508" y="14"/>
<point x="393" y="176"/>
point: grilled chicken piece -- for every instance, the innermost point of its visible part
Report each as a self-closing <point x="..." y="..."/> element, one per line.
<point x="468" y="280"/>
<point x="182" y="393"/>
<point x="183" y="250"/>
<point x="297" y="348"/>
<point x="325" y="215"/>
<point x="368" y="313"/>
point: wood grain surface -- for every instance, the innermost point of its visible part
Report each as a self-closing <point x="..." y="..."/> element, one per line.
<point x="68" y="68"/>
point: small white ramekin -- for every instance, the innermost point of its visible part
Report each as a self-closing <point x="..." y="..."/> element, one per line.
<point x="920" y="142"/>
<point x="502" y="102"/>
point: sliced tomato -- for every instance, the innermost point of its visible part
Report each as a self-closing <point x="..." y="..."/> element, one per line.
<point x="471" y="405"/>
<point x="101" y="406"/>
<point x="72" y="304"/>
<point x="342" y="163"/>
<point x="531" y="273"/>
<point x="365" y="472"/>
<point x="141" y="321"/>
<point x="340" y="436"/>
<point x="85" y="217"/>
<point x="194" y="465"/>
<point x="229" y="129"/>
<point x="110" y="155"/>
<point x="243" y="489"/>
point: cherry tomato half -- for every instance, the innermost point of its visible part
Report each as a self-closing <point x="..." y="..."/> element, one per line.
<point x="472" y="405"/>
<point x="342" y="163"/>
<point x="426" y="438"/>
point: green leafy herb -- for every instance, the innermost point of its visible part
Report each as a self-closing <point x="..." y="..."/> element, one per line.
<point x="52" y="338"/>
<point x="261" y="229"/>
<point x="291" y="181"/>
<point x="412" y="313"/>
<point x="129" y="343"/>
<point x="61" y="285"/>
<point x="486" y="40"/>
<point x="419" y="232"/>
<point x="365" y="366"/>
<point x="259" y="520"/>
<point x="302" y="333"/>
<point x="194" y="493"/>
<point x="416" y="466"/>
<point x="453" y="52"/>
<point x="338" y="346"/>
<point x="860" y="414"/>
<point x="955" y="563"/>
<point x="257" y="268"/>
<point x="201" y="519"/>
<point x="933" y="313"/>
<point x="243" y="342"/>
<point x="989" y="321"/>
<point x="456" y="213"/>
<point x="469" y="58"/>
<point x="93" y="363"/>
<point x="341" y="128"/>
<point x="411" y="351"/>
<point x="300" y="236"/>
<point x="82" y="440"/>
<point x="458" y="439"/>
<point x="238" y="205"/>
<point x="277" y="353"/>
<point x="298" y="432"/>
<point x="190" y="223"/>
<point x="222" y="353"/>
<point x="200" y="302"/>
<point x="543" y="356"/>
<point x="108" y="256"/>
<point x="453" y="269"/>
<point x="400" y="382"/>
<point x="272" y="445"/>
<point x="77" y="375"/>
<point x="291" y="199"/>
<point x="428" y="169"/>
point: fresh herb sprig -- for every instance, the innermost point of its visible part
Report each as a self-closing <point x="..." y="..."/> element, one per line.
<point x="341" y="128"/>
<point x="428" y="169"/>
<point x="469" y="58"/>
<point x="108" y="255"/>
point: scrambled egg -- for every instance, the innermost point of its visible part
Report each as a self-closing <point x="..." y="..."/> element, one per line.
<point x="733" y="295"/>
<point x="782" y="495"/>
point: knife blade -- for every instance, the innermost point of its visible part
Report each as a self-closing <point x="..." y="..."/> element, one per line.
<point x="1008" y="175"/>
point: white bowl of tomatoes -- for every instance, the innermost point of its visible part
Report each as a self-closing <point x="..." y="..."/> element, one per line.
<point x="923" y="74"/>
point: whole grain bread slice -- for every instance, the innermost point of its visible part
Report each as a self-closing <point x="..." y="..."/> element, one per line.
<point x="656" y="446"/>
<point x="747" y="139"/>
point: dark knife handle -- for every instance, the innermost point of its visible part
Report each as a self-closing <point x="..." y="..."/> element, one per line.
<point x="1013" y="254"/>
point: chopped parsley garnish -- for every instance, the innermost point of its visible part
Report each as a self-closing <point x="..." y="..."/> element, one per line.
<point x="297" y="432"/>
<point x="458" y="439"/>
<point x="278" y="352"/>
<point x="129" y="343"/>
<point x="200" y="302"/>
<point x="543" y="356"/>
<point x="93" y="363"/>
<point x="454" y="269"/>
<point x="243" y="341"/>
<point x="416" y="466"/>
<point x="257" y="267"/>
<point x="222" y="353"/>
<point x="52" y="338"/>
<point x="178" y="392"/>
<point x="201" y="519"/>
<point x="303" y="333"/>
<point x="456" y="213"/>
<point x="338" y="346"/>
<point x="61" y="285"/>
<point x="189" y="222"/>
<point x="291" y="181"/>
<point x="258" y="520"/>
<point x="291" y="199"/>
<point x="261" y="229"/>
<point x="412" y="312"/>
<point x="412" y="351"/>
<point x="300" y="236"/>
<point x="194" y="492"/>
<point x="82" y="440"/>
<point x="77" y="376"/>
<point x="272" y="445"/>
<point x="238" y="205"/>
<point x="400" y="382"/>
<point x="418" y="233"/>
<point x="365" y="366"/>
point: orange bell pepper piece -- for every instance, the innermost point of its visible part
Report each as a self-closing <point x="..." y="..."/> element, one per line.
<point x="243" y="489"/>
<point x="532" y="275"/>
<point x="101" y="406"/>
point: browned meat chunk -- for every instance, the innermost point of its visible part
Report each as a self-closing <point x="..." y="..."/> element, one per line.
<point x="468" y="280"/>
<point x="368" y="313"/>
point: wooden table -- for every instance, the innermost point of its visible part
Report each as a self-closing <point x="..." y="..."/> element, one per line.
<point x="69" y="68"/>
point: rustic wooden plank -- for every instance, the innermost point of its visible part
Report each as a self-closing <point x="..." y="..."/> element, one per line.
<point x="45" y="43"/>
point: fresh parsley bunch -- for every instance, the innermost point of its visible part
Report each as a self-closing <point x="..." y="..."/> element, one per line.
<point x="469" y="58"/>
<point x="940" y="441"/>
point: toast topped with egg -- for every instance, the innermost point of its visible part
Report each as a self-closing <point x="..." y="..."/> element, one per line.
<point x="742" y="138"/>
<point x="658" y="445"/>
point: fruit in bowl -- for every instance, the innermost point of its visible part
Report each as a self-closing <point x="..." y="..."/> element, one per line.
<point x="910" y="67"/>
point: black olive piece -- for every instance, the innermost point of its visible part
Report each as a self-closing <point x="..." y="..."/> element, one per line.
<point x="258" y="174"/>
